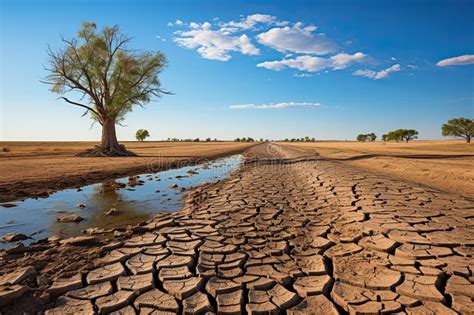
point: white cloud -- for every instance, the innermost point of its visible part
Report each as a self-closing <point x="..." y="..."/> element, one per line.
<point x="377" y="75"/>
<point x="178" y="22"/>
<point x="297" y="39"/>
<point x="250" y="22"/>
<point x="343" y="60"/>
<point x="282" y="105"/>
<point x="302" y="75"/>
<point x="457" y="61"/>
<point x="213" y="44"/>
<point x="313" y="63"/>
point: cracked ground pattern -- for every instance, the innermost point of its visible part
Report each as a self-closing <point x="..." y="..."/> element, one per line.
<point x="284" y="235"/>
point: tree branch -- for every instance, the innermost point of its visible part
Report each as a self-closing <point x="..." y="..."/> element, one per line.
<point x="80" y="105"/>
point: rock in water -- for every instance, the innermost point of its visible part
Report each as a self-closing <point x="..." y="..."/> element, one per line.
<point x="69" y="218"/>
<point x="112" y="211"/>
<point x="13" y="237"/>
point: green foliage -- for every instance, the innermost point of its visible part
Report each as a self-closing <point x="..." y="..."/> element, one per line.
<point x="459" y="127"/>
<point x="208" y="139"/>
<point x="361" y="137"/>
<point x="100" y="67"/>
<point x="237" y="139"/>
<point x="401" y="134"/>
<point x="384" y="137"/>
<point x="142" y="134"/>
<point x="196" y="140"/>
<point x="367" y="137"/>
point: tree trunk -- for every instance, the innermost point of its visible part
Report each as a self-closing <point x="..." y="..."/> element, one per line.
<point x="109" y="145"/>
<point x="468" y="139"/>
<point x="109" y="137"/>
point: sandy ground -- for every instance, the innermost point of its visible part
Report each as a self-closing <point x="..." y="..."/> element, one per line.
<point x="32" y="168"/>
<point x="444" y="165"/>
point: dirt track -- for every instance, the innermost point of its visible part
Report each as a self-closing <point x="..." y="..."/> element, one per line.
<point x="286" y="233"/>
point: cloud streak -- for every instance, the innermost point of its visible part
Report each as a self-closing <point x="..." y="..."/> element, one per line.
<point x="313" y="63"/>
<point x="457" y="61"/>
<point x="283" y="105"/>
<point x="377" y="75"/>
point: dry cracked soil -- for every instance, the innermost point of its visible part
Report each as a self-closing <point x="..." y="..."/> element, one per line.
<point x="287" y="233"/>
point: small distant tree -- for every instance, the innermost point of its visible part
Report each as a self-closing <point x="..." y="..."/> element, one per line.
<point x="196" y="140"/>
<point x="384" y="137"/>
<point x="142" y="134"/>
<point x="409" y="134"/>
<point x="362" y="138"/>
<point x="237" y="139"/>
<point x="208" y="139"/>
<point x="459" y="127"/>
<point x="109" y="79"/>
<point x="306" y="139"/>
<point x="313" y="139"/>
<point x="372" y="137"/>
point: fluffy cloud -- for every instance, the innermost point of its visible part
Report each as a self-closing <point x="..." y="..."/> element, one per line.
<point x="313" y="63"/>
<point x="297" y="39"/>
<point x="249" y="22"/>
<point x="457" y="61"/>
<point x="282" y="105"/>
<point x="377" y="75"/>
<point x="213" y="44"/>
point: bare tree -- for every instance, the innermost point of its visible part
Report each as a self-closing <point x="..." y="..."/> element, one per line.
<point x="108" y="79"/>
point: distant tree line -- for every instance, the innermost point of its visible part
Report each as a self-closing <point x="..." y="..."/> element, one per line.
<point x="456" y="127"/>
<point x="249" y="139"/>
<point x="192" y="140"/>
<point x="396" y="135"/>
<point x="400" y="135"/>
<point x="305" y="139"/>
<point x="367" y="137"/>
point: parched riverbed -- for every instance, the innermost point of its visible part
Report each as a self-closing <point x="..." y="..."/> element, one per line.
<point x="128" y="200"/>
<point x="283" y="234"/>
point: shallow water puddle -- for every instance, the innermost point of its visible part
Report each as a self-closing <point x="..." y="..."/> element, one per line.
<point x="134" y="199"/>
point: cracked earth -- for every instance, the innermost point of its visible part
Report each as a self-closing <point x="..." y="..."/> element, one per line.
<point x="287" y="233"/>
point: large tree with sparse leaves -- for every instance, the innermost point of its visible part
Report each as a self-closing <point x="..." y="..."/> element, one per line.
<point x="106" y="78"/>
<point x="459" y="127"/>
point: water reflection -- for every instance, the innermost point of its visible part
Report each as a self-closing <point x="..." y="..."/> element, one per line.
<point x="135" y="199"/>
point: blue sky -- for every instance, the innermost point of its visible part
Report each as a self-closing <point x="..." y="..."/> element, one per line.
<point x="270" y="69"/>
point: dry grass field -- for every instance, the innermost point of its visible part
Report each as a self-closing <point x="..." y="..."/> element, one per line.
<point x="444" y="165"/>
<point x="30" y="168"/>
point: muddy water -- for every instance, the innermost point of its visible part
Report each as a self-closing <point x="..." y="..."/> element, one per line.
<point x="134" y="199"/>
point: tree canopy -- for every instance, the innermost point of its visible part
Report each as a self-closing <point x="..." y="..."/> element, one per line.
<point x="367" y="137"/>
<point x="459" y="127"/>
<point x="401" y="134"/>
<point x="108" y="78"/>
<point x="142" y="134"/>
